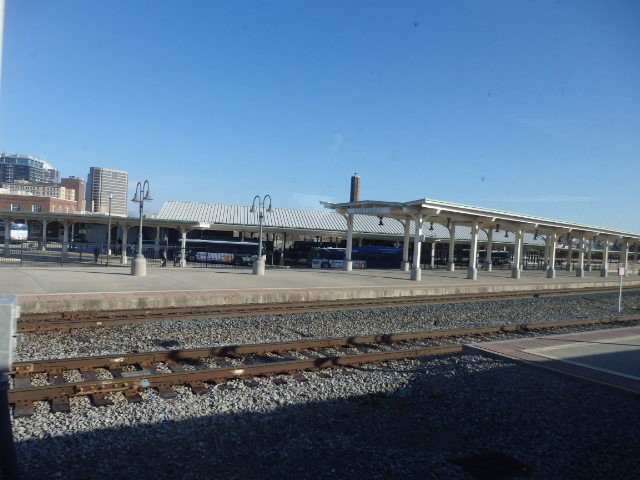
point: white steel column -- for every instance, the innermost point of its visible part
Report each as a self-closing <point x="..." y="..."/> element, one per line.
<point x="580" y="269"/>
<point x="183" y="248"/>
<point x="635" y="258"/>
<point x="452" y="244"/>
<point x="65" y="240"/>
<point x="44" y="235"/>
<point x="605" y="258"/>
<point x="157" y="246"/>
<point x="624" y="255"/>
<point x="416" y="272"/>
<point x="7" y="236"/>
<point x="488" y="259"/>
<point x="348" y="264"/>
<point x="284" y="243"/>
<point x="472" y="270"/>
<point x="433" y="255"/>
<point x="405" y="267"/>
<point x="587" y="267"/>
<point x="123" y="249"/>
<point x="517" y="253"/>
<point x="569" y="267"/>
<point x="551" y="266"/>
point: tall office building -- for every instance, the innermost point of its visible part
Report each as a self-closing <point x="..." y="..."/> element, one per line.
<point x="100" y="183"/>
<point x="25" y="167"/>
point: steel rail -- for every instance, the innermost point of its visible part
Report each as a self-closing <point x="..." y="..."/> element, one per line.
<point x="131" y="383"/>
<point x="146" y="358"/>
<point x="61" y="321"/>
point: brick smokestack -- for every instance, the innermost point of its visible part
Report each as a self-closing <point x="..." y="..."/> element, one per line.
<point x="355" y="188"/>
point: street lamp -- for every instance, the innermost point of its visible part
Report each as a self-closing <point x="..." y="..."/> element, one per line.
<point x="258" y="264"/>
<point x="139" y="263"/>
<point x="109" y="230"/>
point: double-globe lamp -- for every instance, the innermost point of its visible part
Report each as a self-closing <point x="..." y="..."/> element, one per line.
<point x="139" y="263"/>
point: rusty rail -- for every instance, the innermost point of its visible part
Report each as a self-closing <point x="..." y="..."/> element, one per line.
<point x="61" y="321"/>
<point x="145" y="375"/>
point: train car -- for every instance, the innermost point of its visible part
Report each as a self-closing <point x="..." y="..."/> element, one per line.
<point x="18" y="232"/>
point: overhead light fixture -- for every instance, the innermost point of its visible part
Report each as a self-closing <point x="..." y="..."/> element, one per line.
<point x="431" y="227"/>
<point x="506" y="234"/>
<point x="448" y="222"/>
<point x="380" y="224"/>
<point x="498" y="228"/>
<point x="535" y="235"/>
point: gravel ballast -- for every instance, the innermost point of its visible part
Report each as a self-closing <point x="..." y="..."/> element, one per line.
<point x="408" y="419"/>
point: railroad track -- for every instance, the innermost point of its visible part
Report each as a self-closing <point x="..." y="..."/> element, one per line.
<point x="57" y="381"/>
<point x="61" y="321"/>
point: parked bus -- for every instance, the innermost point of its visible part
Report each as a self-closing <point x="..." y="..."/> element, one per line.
<point x="18" y="232"/>
<point x="220" y="251"/>
<point x="331" y="258"/>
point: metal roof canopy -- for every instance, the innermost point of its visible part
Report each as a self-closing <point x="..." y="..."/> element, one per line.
<point x="445" y="212"/>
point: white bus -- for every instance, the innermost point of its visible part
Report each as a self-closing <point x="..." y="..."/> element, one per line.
<point x="220" y="251"/>
<point x="18" y="232"/>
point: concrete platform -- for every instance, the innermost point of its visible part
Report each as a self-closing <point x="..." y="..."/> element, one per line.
<point x="93" y="287"/>
<point x="609" y="357"/>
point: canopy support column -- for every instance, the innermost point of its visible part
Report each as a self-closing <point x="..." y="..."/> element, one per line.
<point x="587" y="267"/>
<point x="183" y="248"/>
<point x="551" y="245"/>
<point x="472" y="270"/>
<point x="65" y="240"/>
<point x="517" y="253"/>
<point x="416" y="272"/>
<point x="605" y="259"/>
<point x="348" y="263"/>
<point x="624" y="256"/>
<point x="488" y="259"/>
<point x="123" y="249"/>
<point x="433" y="255"/>
<point x="406" y="265"/>
<point x="44" y="235"/>
<point x="569" y="266"/>
<point x="452" y="245"/>
<point x="580" y="269"/>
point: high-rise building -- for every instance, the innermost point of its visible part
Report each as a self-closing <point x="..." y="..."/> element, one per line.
<point x="15" y="167"/>
<point x="79" y="186"/>
<point x="104" y="181"/>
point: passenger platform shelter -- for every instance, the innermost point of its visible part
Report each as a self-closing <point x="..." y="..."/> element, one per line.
<point x="416" y="214"/>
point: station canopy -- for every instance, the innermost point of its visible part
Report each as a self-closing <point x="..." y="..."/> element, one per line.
<point x="445" y="213"/>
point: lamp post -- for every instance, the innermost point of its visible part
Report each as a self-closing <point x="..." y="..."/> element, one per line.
<point x="109" y="230"/>
<point x="258" y="264"/>
<point x="139" y="263"/>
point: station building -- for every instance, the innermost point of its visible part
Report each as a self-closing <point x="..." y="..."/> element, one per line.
<point x="431" y="233"/>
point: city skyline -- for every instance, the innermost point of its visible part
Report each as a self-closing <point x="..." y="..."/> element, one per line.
<point x="525" y="107"/>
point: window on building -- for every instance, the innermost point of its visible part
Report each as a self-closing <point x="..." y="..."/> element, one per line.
<point x="15" y="207"/>
<point x="36" y="208"/>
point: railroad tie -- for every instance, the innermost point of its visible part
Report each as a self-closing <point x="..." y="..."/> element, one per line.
<point x="133" y="396"/>
<point x="198" y="387"/>
<point x="60" y="404"/>
<point x="166" y="391"/>
<point x="23" y="408"/>
<point x="101" y="399"/>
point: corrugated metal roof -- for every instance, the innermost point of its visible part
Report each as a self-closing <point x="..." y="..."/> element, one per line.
<point x="317" y="221"/>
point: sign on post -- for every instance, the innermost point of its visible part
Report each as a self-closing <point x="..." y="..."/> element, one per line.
<point x="622" y="272"/>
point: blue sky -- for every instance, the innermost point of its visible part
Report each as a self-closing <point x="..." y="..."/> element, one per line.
<point x="530" y="107"/>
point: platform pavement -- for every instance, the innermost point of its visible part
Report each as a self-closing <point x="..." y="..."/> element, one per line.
<point x="52" y="289"/>
<point x="610" y="357"/>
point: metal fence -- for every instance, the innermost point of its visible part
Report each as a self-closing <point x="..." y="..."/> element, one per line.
<point x="52" y="254"/>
